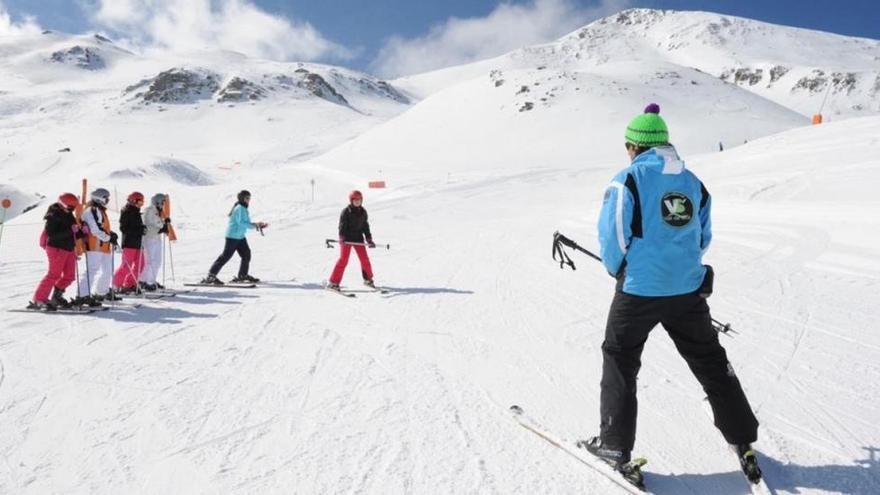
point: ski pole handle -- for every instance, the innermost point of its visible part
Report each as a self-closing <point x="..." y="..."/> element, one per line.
<point x="329" y="243"/>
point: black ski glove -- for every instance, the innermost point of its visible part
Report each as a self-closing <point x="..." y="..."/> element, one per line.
<point x="114" y="239"/>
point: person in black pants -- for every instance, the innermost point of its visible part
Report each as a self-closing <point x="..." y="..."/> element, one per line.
<point x="236" y="242"/>
<point x="654" y="227"/>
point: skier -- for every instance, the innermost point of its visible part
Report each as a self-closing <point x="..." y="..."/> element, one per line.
<point x="239" y="224"/>
<point x="132" y="226"/>
<point x="59" y="241"/>
<point x="354" y="229"/>
<point x="156" y="226"/>
<point x="654" y="227"/>
<point x="95" y="286"/>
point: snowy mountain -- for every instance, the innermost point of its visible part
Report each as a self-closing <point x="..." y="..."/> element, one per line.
<point x="208" y="114"/>
<point x="288" y="388"/>
<point x="796" y="68"/>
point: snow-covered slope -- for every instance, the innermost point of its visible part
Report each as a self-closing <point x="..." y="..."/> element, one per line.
<point x="797" y="68"/>
<point x="218" y="113"/>
<point x="289" y="388"/>
<point x="551" y="117"/>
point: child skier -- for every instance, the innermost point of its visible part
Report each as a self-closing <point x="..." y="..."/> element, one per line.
<point x="156" y="226"/>
<point x="59" y="241"/>
<point x="239" y="224"/>
<point x="132" y="226"/>
<point x="653" y="229"/>
<point x="354" y="229"/>
<point x="101" y="242"/>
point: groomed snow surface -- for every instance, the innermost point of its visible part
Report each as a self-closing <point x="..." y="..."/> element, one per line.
<point x="289" y="388"/>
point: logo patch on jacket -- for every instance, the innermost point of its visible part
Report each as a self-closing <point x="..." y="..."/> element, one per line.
<point x="677" y="209"/>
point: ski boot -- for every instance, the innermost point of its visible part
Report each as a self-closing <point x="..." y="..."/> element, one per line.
<point x="111" y="296"/>
<point x="211" y="279"/>
<point x="41" y="306"/>
<point x="245" y="279"/>
<point x="86" y="301"/>
<point x="160" y="286"/>
<point x="332" y="286"/>
<point x="58" y="298"/>
<point x="369" y="283"/>
<point x="748" y="462"/>
<point x="617" y="459"/>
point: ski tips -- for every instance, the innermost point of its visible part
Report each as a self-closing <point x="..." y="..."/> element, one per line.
<point x="515" y="409"/>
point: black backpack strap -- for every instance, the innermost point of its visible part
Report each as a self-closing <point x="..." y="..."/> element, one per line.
<point x="636" y="225"/>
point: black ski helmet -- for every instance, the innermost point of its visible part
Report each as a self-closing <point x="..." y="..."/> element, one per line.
<point x="243" y="194"/>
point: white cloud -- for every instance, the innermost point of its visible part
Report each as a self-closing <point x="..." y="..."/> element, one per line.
<point x="8" y="27"/>
<point x="237" y="25"/>
<point x="508" y="27"/>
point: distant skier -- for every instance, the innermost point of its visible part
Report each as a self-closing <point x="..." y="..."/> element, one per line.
<point x="132" y="226"/>
<point x="654" y="226"/>
<point x="354" y="232"/>
<point x="59" y="241"/>
<point x="239" y="224"/>
<point x="95" y="286"/>
<point x="156" y="225"/>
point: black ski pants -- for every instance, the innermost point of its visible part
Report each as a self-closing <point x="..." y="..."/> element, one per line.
<point x="232" y="246"/>
<point x="686" y="318"/>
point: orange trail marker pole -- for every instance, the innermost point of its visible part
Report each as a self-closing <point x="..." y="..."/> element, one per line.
<point x="80" y="244"/>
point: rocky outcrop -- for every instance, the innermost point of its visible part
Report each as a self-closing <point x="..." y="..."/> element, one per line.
<point x="238" y="89"/>
<point x="77" y="56"/>
<point x="177" y="86"/>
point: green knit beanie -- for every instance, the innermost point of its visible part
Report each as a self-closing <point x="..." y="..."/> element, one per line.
<point x="648" y="129"/>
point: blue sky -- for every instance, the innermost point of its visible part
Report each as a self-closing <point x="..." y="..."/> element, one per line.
<point x="398" y="36"/>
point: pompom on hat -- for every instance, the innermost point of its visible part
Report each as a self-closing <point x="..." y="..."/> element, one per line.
<point x="648" y="129"/>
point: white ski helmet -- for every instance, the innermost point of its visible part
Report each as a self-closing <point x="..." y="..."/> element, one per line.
<point x="100" y="196"/>
<point x="158" y="199"/>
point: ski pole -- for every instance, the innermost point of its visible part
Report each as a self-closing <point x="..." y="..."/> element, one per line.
<point x="164" y="248"/>
<point x="330" y="242"/>
<point x="5" y="204"/>
<point x="560" y="240"/>
<point x="111" y="292"/>
<point x="171" y="259"/>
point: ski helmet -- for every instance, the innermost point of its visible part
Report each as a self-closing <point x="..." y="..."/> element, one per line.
<point x="135" y="197"/>
<point x="68" y="200"/>
<point x="355" y="195"/>
<point x="244" y="193"/>
<point x="100" y="196"/>
<point x="158" y="199"/>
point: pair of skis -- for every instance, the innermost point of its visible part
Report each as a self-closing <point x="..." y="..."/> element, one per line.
<point x="352" y="293"/>
<point x="73" y="310"/>
<point x="629" y="479"/>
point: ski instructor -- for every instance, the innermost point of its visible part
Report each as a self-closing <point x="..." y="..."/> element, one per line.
<point x="654" y="227"/>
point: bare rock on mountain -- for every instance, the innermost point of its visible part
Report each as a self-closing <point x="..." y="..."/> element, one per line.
<point x="238" y="89"/>
<point x="180" y="86"/>
<point x="319" y="87"/>
<point x="77" y="56"/>
<point x="777" y="72"/>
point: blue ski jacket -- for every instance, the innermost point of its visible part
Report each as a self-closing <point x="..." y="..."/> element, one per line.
<point x="655" y="226"/>
<point x="239" y="222"/>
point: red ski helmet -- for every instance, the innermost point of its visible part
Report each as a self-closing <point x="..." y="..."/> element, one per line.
<point x="355" y="195"/>
<point x="135" y="197"/>
<point x="69" y="200"/>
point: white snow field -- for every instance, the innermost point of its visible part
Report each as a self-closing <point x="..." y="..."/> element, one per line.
<point x="288" y="388"/>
